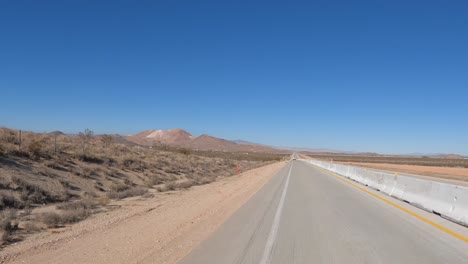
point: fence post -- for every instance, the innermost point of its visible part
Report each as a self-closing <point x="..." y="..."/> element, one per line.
<point x="19" y="142"/>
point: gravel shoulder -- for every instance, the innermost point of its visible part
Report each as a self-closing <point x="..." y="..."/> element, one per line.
<point x="162" y="229"/>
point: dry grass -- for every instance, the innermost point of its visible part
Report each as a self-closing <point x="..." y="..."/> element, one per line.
<point x="121" y="191"/>
<point x="58" y="219"/>
<point x="86" y="204"/>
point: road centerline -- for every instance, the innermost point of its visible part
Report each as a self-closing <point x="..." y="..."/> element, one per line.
<point x="266" y="258"/>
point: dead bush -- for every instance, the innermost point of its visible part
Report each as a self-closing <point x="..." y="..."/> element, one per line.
<point x="7" y="200"/>
<point x="35" y="148"/>
<point x="92" y="159"/>
<point x="88" y="172"/>
<point x="9" y="136"/>
<point x="185" y="184"/>
<point x="128" y="182"/>
<point x="204" y="180"/>
<point x="119" y="187"/>
<point x="121" y="191"/>
<point x="170" y="186"/>
<point x="2" y="150"/>
<point x="56" y="165"/>
<point x="57" y="219"/>
<point x="103" y="200"/>
<point x="134" y="165"/>
<point x="185" y="151"/>
<point x="148" y="195"/>
<point x="7" y="225"/>
<point x="20" y="153"/>
<point x="33" y="193"/>
<point x="32" y="227"/>
<point x="153" y="180"/>
<point x="175" y="185"/>
<point x="86" y="204"/>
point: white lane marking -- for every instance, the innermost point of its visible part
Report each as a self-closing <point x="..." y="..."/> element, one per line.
<point x="274" y="228"/>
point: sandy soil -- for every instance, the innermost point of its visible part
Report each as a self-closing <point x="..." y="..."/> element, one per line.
<point x="458" y="174"/>
<point x="161" y="229"/>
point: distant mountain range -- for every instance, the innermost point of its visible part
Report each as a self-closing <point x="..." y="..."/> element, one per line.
<point x="291" y="149"/>
<point x="181" y="138"/>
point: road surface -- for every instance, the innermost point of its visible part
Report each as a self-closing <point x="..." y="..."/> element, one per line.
<point x="307" y="215"/>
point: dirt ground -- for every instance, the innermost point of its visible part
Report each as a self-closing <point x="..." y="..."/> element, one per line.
<point x="457" y="174"/>
<point x="161" y="229"/>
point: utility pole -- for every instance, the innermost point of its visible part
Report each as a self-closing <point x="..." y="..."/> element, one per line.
<point x="55" y="143"/>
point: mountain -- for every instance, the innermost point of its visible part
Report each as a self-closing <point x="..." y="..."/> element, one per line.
<point x="243" y="142"/>
<point x="175" y="137"/>
<point x="56" y="133"/>
<point x="312" y="150"/>
<point x="207" y="142"/>
<point x="181" y="138"/>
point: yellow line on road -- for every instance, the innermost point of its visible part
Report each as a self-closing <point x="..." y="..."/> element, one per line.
<point x="422" y="218"/>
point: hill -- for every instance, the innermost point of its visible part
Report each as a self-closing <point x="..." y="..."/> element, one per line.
<point x="181" y="138"/>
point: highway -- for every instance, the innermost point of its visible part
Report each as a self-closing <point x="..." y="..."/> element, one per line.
<point x="307" y="215"/>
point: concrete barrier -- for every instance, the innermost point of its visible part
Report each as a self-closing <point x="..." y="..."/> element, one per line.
<point x="450" y="201"/>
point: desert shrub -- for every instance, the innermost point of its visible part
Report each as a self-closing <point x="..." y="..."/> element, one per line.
<point x="119" y="187"/>
<point x="57" y="219"/>
<point x="185" y="151"/>
<point x="9" y="137"/>
<point x="7" y="225"/>
<point x="70" y="212"/>
<point x="134" y="165"/>
<point x="121" y="191"/>
<point x="32" y="227"/>
<point x="56" y="165"/>
<point x="175" y="185"/>
<point x="89" y="172"/>
<point x="20" y="153"/>
<point x="35" y="148"/>
<point x="103" y="200"/>
<point x="91" y="159"/>
<point x="170" y="186"/>
<point x="161" y="188"/>
<point x="128" y="182"/>
<point x="115" y="173"/>
<point x="86" y="204"/>
<point x="7" y="200"/>
<point x="204" y="180"/>
<point x="106" y="140"/>
<point x="2" y="150"/>
<point x="153" y="180"/>
<point x="33" y="193"/>
<point x="185" y="184"/>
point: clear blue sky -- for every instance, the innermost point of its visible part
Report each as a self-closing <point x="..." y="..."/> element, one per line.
<point x="382" y="76"/>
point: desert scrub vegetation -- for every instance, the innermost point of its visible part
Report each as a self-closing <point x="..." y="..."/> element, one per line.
<point x="69" y="212"/>
<point x="8" y="226"/>
<point x="120" y="191"/>
<point x="79" y="175"/>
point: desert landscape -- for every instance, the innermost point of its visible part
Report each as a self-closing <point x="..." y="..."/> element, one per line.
<point x="51" y="180"/>
<point x="221" y="132"/>
<point x="60" y="189"/>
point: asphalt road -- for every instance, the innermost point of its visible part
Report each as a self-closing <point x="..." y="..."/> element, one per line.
<point x="307" y="215"/>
